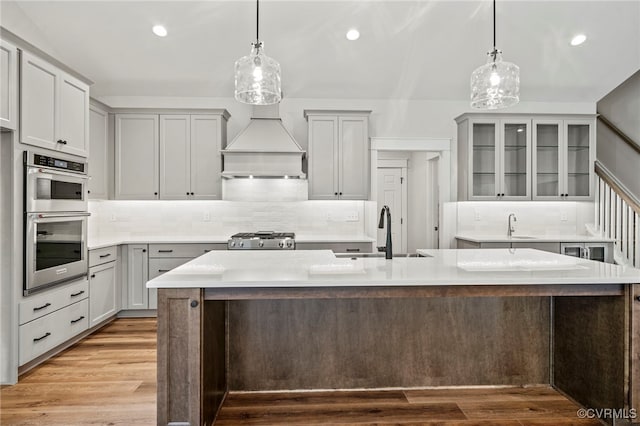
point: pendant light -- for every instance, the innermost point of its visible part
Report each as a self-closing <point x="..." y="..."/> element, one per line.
<point x="257" y="76"/>
<point x="495" y="84"/>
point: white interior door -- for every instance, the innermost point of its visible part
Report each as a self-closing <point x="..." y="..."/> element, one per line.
<point x="390" y="194"/>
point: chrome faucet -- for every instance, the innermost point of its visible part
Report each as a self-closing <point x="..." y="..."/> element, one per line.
<point x="511" y="229"/>
<point x="387" y="248"/>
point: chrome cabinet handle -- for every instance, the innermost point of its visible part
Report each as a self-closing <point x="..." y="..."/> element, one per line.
<point x="102" y="256"/>
<point x="78" y="293"/>
<point x="165" y="251"/>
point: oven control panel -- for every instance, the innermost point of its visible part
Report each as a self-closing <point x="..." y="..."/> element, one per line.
<point x="56" y="163"/>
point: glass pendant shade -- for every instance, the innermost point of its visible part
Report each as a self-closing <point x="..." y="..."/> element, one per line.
<point x="257" y="78"/>
<point x="495" y="84"/>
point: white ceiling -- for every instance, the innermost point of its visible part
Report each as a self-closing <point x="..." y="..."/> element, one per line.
<point x="408" y="49"/>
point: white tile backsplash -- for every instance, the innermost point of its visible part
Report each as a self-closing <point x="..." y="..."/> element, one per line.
<point x="261" y="189"/>
<point x="533" y="217"/>
<point x="115" y="218"/>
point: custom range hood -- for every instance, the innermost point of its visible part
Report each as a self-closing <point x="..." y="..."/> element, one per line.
<point x="264" y="149"/>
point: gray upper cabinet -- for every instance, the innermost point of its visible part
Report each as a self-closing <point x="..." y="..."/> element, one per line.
<point x="512" y="157"/>
<point x="494" y="158"/>
<point x="136" y="157"/>
<point x="564" y="156"/>
<point x="8" y="86"/>
<point x="54" y="107"/>
<point x="169" y="156"/>
<point x="339" y="157"/>
<point x="99" y="148"/>
<point x="190" y="159"/>
<point x="175" y="156"/>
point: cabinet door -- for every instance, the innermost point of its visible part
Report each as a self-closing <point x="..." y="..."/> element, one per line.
<point x="353" y="158"/>
<point x="175" y="131"/>
<point x="137" y="276"/>
<point x="484" y="160"/>
<point x="578" y="160"/>
<point x="547" y="159"/>
<point x="137" y="156"/>
<point x="73" y="116"/>
<point x="8" y="86"/>
<point x="38" y="102"/>
<point x="103" y="302"/>
<point x="323" y="158"/>
<point x="515" y="161"/>
<point x="206" y="160"/>
<point x="98" y="169"/>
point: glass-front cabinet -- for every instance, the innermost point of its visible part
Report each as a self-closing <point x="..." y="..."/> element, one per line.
<point x="499" y="159"/>
<point x="563" y="159"/>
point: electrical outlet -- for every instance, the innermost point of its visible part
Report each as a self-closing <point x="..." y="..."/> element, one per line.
<point x="476" y="214"/>
<point x="352" y="217"/>
<point x="112" y="218"/>
<point x="206" y="217"/>
<point x="563" y="217"/>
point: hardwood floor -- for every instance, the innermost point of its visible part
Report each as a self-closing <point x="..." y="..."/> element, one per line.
<point x="110" y="379"/>
<point x="441" y="407"/>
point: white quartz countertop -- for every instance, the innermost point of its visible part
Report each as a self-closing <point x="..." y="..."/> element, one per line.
<point x="96" y="243"/>
<point x="321" y="268"/>
<point x="532" y="238"/>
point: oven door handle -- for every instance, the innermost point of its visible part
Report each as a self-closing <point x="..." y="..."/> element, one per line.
<point x="47" y="173"/>
<point x="50" y="215"/>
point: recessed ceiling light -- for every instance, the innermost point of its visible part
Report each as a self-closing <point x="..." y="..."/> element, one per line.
<point x="159" y="30"/>
<point x="578" y="39"/>
<point x="353" y="34"/>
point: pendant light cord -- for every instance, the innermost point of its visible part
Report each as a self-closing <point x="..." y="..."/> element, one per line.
<point x="494" y="25"/>
<point x="258" y="21"/>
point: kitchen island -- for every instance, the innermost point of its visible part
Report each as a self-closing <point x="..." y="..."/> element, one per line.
<point x="254" y="321"/>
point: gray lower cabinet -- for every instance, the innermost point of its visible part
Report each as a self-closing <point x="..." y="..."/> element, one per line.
<point x="553" y="247"/>
<point x="145" y="262"/>
<point x="104" y="300"/>
<point x="137" y="273"/>
<point x="355" y="247"/>
<point x="51" y="318"/>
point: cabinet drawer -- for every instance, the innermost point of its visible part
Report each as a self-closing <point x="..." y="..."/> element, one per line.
<point x="159" y="266"/>
<point x="43" y="334"/>
<point x="52" y="300"/>
<point x="337" y="247"/>
<point x="183" y="250"/>
<point x="102" y="255"/>
<point x="550" y="247"/>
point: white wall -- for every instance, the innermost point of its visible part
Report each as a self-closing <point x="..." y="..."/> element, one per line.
<point x="220" y="219"/>
<point x="622" y="108"/>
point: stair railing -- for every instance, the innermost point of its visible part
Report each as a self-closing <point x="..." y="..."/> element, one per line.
<point x="617" y="216"/>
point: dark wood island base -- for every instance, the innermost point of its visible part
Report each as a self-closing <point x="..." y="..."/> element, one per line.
<point x="580" y="339"/>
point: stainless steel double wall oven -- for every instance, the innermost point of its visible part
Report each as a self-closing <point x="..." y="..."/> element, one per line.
<point x="55" y="221"/>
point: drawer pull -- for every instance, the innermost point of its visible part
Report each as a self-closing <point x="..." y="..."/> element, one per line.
<point x="78" y="293"/>
<point x="39" y="308"/>
<point x="76" y="320"/>
<point x="350" y="250"/>
<point x="165" y="251"/>
<point x="37" y="339"/>
<point x="207" y="250"/>
<point x="164" y="270"/>
<point x="102" y="256"/>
